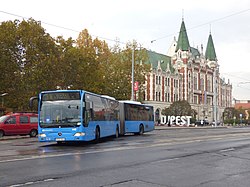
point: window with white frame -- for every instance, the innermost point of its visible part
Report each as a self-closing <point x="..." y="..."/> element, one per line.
<point x="202" y="85"/>
<point x="195" y="82"/>
<point x="195" y="99"/>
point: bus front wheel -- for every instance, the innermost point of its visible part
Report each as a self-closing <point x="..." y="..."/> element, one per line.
<point x="97" y="135"/>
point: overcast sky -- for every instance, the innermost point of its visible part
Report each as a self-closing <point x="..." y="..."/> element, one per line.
<point x="157" y="20"/>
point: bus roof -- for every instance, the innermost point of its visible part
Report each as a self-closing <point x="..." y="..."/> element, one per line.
<point x="83" y="91"/>
<point x="106" y="96"/>
<point x="130" y="102"/>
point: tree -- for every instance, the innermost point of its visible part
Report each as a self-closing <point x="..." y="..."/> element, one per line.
<point x="27" y="57"/>
<point x="37" y="61"/>
<point x="9" y="59"/>
<point x="89" y="69"/>
<point x="179" y="108"/>
<point x="121" y="68"/>
<point x="32" y="61"/>
<point x="230" y="113"/>
<point x="68" y="65"/>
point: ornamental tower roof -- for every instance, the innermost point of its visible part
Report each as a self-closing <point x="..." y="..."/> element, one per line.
<point x="210" y="51"/>
<point x="183" y="43"/>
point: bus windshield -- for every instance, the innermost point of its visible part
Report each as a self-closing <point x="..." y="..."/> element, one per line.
<point x="60" y="112"/>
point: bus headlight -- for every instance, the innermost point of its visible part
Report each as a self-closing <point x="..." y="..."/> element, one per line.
<point x="79" y="134"/>
<point x="42" y="135"/>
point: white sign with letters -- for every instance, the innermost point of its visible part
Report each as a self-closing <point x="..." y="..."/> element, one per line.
<point x="178" y="120"/>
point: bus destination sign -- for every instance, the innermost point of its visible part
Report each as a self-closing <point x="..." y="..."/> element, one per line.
<point x="56" y="96"/>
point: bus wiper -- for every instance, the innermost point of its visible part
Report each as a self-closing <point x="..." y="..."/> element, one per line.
<point x="77" y="107"/>
<point x="50" y="125"/>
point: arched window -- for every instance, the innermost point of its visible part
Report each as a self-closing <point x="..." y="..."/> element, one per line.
<point x="157" y="114"/>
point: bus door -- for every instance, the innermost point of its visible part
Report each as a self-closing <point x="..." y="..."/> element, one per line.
<point x="122" y="119"/>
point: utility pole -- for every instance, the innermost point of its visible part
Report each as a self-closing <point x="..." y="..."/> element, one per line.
<point x="214" y="66"/>
<point x="215" y="96"/>
<point x="132" y="73"/>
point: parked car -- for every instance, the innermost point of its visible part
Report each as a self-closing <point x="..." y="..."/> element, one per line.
<point x="218" y="123"/>
<point x="19" y="124"/>
<point x="201" y="123"/>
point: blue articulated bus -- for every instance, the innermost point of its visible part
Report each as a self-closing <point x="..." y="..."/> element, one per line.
<point x="76" y="115"/>
<point x="136" y="117"/>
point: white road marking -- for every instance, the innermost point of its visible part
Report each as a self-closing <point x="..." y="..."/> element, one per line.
<point x="165" y="160"/>
<point x="31" y="182"/>
<point x="226" y="150"/>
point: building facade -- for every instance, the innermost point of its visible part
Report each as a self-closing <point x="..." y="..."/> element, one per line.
<point x="186" y="73"/>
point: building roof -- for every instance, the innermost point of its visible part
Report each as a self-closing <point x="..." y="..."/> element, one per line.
<point x="183" y="43"/>
<point x="210" y="51"/>
<point x="154" y="58"/>
<point x="242" y="105"/>
<point x="195" y="52"/>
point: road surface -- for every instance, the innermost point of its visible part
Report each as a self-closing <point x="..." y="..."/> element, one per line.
<point x="162" y="158"/>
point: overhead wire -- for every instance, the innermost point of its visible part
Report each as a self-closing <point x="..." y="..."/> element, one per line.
<point x="235" y="76"/>
<point x="209" y="22"/>
<point x="61" y="27"/>
<point x="108" y="39"/>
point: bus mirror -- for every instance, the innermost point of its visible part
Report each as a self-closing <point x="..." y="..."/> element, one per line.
<point x="31" y="101"/>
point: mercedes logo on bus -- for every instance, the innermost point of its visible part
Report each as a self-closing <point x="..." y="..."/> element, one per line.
<point x="59" y="134"/>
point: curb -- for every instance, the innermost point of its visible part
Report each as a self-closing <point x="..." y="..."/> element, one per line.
<point x="13" y="137"/>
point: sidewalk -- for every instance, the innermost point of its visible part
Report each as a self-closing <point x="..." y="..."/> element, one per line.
<point x="165" y="127"/>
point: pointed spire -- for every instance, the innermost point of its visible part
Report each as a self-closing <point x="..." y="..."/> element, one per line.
<point x="183" y="43"/>
<point x="210" y="51"/>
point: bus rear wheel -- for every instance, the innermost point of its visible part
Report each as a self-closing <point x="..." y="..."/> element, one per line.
<point x="141" y="130"/>
<point x="117" y="132"/>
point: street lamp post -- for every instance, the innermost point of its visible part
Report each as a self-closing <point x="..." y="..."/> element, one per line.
<point x="215" y="99"/>
<point x="132" y="74"/>
<point x="2" y="95"/>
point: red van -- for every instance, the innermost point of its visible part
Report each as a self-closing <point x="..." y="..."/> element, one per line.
<point x="19" y="124"/>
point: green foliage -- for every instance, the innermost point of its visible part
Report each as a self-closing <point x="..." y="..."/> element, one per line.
<point x="122" y="67"/>
<point x="232" y="115"/>
<point x="179" y="108"/>
<point x="32" y="61"/>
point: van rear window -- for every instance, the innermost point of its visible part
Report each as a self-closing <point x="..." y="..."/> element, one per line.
<point x="33" y="119"/>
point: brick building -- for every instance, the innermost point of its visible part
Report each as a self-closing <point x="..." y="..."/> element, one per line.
<point x="186" y="73"/>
